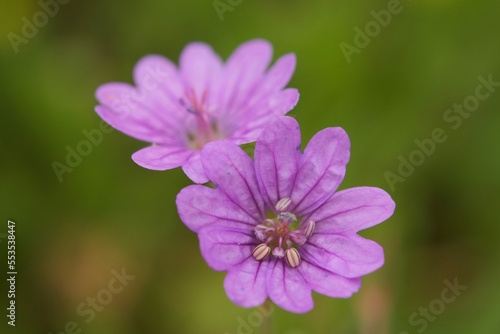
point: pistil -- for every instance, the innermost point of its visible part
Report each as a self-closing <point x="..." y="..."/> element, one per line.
<point x="279" y="237"/>
<point x="204" y="130"/>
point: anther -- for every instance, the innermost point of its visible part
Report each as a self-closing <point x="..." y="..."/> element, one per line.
<point x="310" y="228"/>
<point x="261" y="251"/>
<point x="283" y="204"/>
<point x="292" y="257"/>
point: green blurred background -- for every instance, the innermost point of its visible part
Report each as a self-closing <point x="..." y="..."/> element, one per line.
<point x="109" y="213"/>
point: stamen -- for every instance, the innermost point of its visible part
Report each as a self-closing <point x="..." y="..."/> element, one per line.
<point x="261" y="252"/>
<point x="298" y="238"/>
<point x="270" y="221"/>
<point x="260" y="231"/>
<point x="268" y="240"/>
<point x="189" y="108"/>
<point x="261" y="235"/>
<point x="283" y="204"/>
<point x="310" y="228"/>
<point x="292" y="257"/>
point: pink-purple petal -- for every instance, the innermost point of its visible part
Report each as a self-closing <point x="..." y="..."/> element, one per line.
<point x="348" y="256"/>
<point x="155" y="72"/>
<point x="194" y="169"/>
<point x="159" y="157"/>
<point x="160" y="88"/>
<point x="276" y="78"/>
<point x="352" y="210"/>
<point x="242" y="73"/>
<point x="122" y="108"/>
<point x="328" y="283"/>
<point x="200" y="67"/>
<point x="277" y="155"/>
<point x="280" y="73"/>
<point x="232" y="171"/>
<point x="225" y="248"/>
<point x="282" y="102"/>
<point x="245" y="284"/>
<point x="287" y="288"/>
<point x="321" y="170"/>
<point x="200" y="207"/>
<point x="248" y="126"/>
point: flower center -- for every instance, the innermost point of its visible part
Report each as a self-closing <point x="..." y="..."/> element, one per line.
<point x="281" y="237"/>
<point x="205" y="128"/>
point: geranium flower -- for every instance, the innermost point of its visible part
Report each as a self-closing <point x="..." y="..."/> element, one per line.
<point x="277" y="224"/>
<point x="179" y="110"/>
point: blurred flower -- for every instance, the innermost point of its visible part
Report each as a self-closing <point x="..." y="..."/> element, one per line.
<point x="179" y="110"/>
<point x="277" y="225"/>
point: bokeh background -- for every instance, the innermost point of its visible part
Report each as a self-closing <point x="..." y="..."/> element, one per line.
<point x="109" y="214"/>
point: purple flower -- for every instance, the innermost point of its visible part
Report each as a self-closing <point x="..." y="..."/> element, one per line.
<point x="179" y="110"/>
<point x="277" y="224"/>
